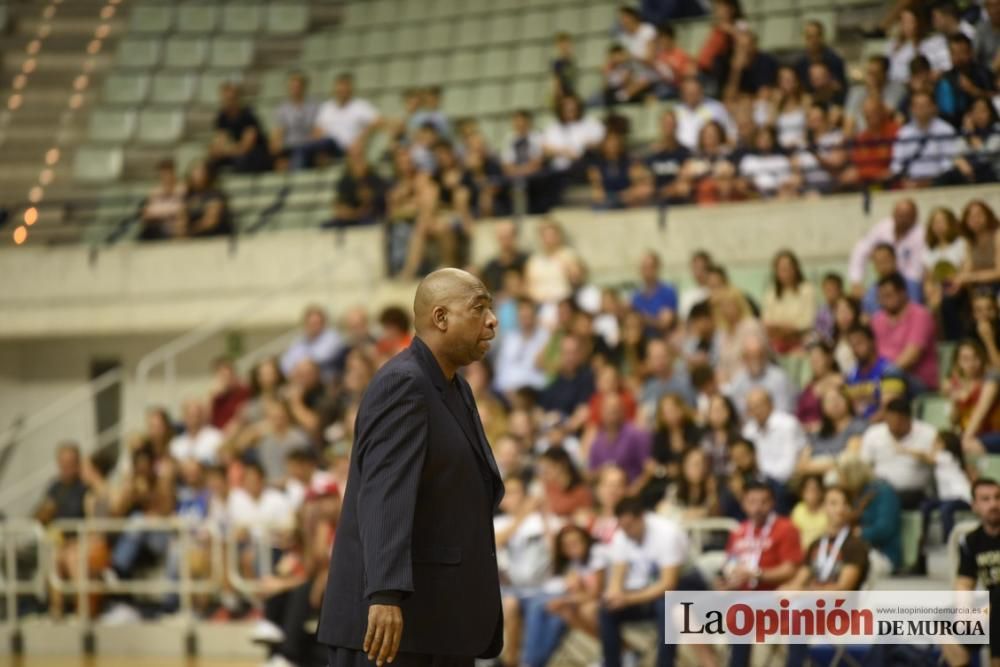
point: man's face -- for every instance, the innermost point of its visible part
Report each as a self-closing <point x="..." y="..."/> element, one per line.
<point x="68" y="462"/>
<point x="230" y="96"/>
<point x="742" y="458"/>
<point x="691" y="92"/>
<point x="471" y="324"/>
<point x="961" y="54"/>
<point x="570" y="355"/>
<point x="986" y="505"/>
<point x="812" y="37"/>
<point x="873" y="112"/>
<point x="629" y="22"/>
<point x="755" y="357"/>
<point x="314" y="323"/>
<point x="861" y="347"/>
<point x="923" y="109"/>
<point x="633" y="526"/>
<point x="253" y="482"/>
<point x="526" y="317"/>
<point x="837" y="509"/>
<point x="194" y="416"/>
<point x="904" y="216"/>
<point x="513" y="496"/>
<point x="884" y="262"/>
<point x="506" y="236"/>
<point x="984" y="308"/>
<point x="874" y="72"/>
<point x="296" y="87"/>
<point x="658" y="357"/>
<point x="899" y="425"/>
<point x="612" y="414"/>
<point x="342" y="90"/>
<point x="757" y="504"/>
<point x="891" y="299"/>
<point x="649" y="269"/>
<point x="611" y="487"/>
<point x="759" y="406"/>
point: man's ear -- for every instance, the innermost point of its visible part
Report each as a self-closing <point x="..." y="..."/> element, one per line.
<point x="439" y="316"/>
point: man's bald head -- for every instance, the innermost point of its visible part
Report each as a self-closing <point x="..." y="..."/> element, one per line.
<point x="453" y="315"/>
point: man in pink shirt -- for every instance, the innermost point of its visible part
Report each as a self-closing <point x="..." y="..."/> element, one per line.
<point x="904" y="334"/>
<point x="902" y="232"/>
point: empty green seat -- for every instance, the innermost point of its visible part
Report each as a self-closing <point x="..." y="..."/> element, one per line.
<point x="368" y="76"/>
<point x="159" y="126"/>
<point x="935" y="410"/>
<point x="172" y="88"/>
<point x="594" y="52"/>
<point x="527" y="93"/>
<point x="569" y="18"/>
<point x="457" y="100"/>
<point x="441" y="9"/>
<point x="464" y="66"/>
<point x="495" y="63"/>
<point x="502" y="29"/>
<point x="471" y="31"/>
<point x="779" y="32"/>
<point x="399" y="73"/>
<point x="186" y="155"/>
<point x="438" y="35"/>
<point x="530" y="59"/>
<point x="138" y="53"/>
<point x="535" y="25"/>
<point x="346" y="46"/>
<point x="241" y="17"/>
<point x="287" y="19"/>
<point x="185" y="52"/>
<point x="130" y="89"/>
<point x="232" y="53"/>
<point x="432" y="69"/>
<point x="989" y="466"/>
<point x="196" y="17"/>
<point x="210" y="83"/>
<point x="96" y="164"/>
<point x="317" y="49"/>
<point x="692" y="34"/>
<point x="111" y="125"/>
<point x="601" y="17"/>
<point x="490" y="98"/>
<point x="274" y="84"/>
<point x="151" y="19"/>
<point x="407" y="40"/>
<point x="377" y="43"/>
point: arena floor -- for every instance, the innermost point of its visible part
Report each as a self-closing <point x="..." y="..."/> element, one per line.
<point x="122" y="661"/>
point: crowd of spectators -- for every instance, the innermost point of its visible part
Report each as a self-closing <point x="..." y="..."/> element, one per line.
<point x="616" y="418"/>
<point x="738" y="123"/>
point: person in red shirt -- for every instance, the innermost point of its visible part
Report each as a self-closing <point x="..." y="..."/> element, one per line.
<point x="763" y="553"/>
<point x="671" y="63"/>
<point x="229" y="393"/>
<point x="871" y="155"/>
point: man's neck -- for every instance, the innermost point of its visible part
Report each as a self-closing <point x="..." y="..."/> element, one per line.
<point x="991" y="530"/>
<point x="447" y="367"/>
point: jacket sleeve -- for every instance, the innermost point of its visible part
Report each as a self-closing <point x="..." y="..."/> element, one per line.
<point x="391" y="446"/>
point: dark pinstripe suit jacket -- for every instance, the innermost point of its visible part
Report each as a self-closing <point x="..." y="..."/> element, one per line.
<point x="418" y="517"/>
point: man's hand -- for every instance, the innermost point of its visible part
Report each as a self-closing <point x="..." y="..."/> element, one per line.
<point x="385" y="630"/>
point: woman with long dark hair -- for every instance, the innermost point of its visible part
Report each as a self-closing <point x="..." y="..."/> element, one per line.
<point x="789" y="305"/>
<point x="839" y="431"/>
<point x="696" y="493"/>
<point x="825" y="375"/>
<point x="721" y="430"/>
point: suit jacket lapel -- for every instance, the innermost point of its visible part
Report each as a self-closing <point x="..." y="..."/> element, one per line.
<point x="480" y="439"/>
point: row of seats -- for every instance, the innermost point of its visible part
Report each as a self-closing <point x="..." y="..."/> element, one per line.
<point x="149" y="126"/>
<point x="182" y="52"/>
<point x="166" y="88"/>
<point x="279" y="18"/>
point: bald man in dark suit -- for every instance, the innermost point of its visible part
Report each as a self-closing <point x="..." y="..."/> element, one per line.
<point x="413" y="577"/>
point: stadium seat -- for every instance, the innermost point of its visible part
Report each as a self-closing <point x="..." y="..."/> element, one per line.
<point x="170" y="88"/>
<point x="241" y="17"/>
<point x="692" y="34"/>
<point x="274" y="83"/>
<point x="530" y="59"/>
<point x="160" y="127"/>
<point x="407" y="41"/>
<point x="211" y="81"/>
<point x="779" y="32"/>
<point x="111" y="126"/>
<point x="457" y="100"/>
<point x="187" y="154"/>
<point x="536" y="25"/>
<point x="95" y="164"/>
<point x="438" y="35"/>
<point x="490" y="98"/>
<point x="287" y="19"/>
<point x="594" y="52"/>
<point x="317" y="49"/>
<point x="935" y="410"/>
<point x="390" y="103"/>
<point x="495" y="63"/>
<point x="399" y="73"/>
<point x="443" y="9"/>
<point x="368" y="76"/>
<point x="463" y="66"/>
<point x="989" y="466"/>
<point x="231" y="53"/>
<point x="470" y="32"/>
<point x="197" y="17"/>
<point x="156" y="19"/>
<point x="126" y="89"/>
<point x="346" y="46"/>
<point x="502" y="29"/>
<point x="136" y="52"/>
<point x="185" y="52"/>
<point x="569" y="18"/>
<point x="377" y="43"/>
<point x="528" y="92"/>
<point x="433" y="68"/>
<point x="600" y="18"/>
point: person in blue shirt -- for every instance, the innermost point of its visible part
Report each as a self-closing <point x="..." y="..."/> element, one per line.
<point x="864" y="382"/>
<point x="655" y="300"/>
<point x="884" y="263"/>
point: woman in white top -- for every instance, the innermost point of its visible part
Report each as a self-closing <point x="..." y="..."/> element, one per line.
<point x="944" y="256"/>
<point x="546" y="273"/>
<point x="571" y="135"/>
<point x="767" y="168"/>
<point x="789" y="305"/>
<point x="954" y="490"/>
<point x="910" y="41"/>
<point x="789" y="109"/>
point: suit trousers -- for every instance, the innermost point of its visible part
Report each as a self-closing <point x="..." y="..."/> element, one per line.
<point x="347" y="657"/>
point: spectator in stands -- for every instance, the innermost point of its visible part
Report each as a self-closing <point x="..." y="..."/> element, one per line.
<point x="546" y="271"/>
<point x="921" y="81"/>
<point x="318" y="342"/>
<point x="884" y="264"/>
<point x="898" y="451"/>
<point x="647" y="555"/>
<point x="778" y="436"/>
<point x="985" y="325"/>
<point x="361" y="194"/>
<point x="904" y="334"/>
<point x="671" y="64"/>
<point x="974" y="391"/>
<point x="736" y="324"/>
<point x="711" y="169"/>
<point x="697" y="291"/>
<point x="229" y="393"/>
<point x="966" y="81"/>
<point x="903" y="232"/>
<point x="827" y="92"/>
<point x="875" y="86"/>
<point x="277" y="437"/>
<point x="926" y="147"/>
<point x="832" y="287"/>
<point x="727" y="18"/>
<point x="566" y="140"/>
<point x="750" y="71"/>
<point x="293" y="125"/>
<point x="518" y="350"/>
<point x="344" y="121"/>
<point x="824" y="376"/>
<point x="876" y="508"/>
<point x="944" y="256"/>
<point x="665" y="162"/>
<point x="695" y="111"/>
<point x="871" y="150"/>
<point x="766" y="168"/>
<point x="818" y="51"/>
<point x="865" y="379"/>
<point x="700" y="346"/>
<point x="789" y="304"/>
<point x="910" y="41"/>
<point x="66" y="496"/>
<point x="625" y="81"/>
<point x="695" y="494"/>
<point x="820" y="162"/>
<point x="762" y="553"/>
<point x="200" y="440"/>
<point x="564" y="69"/>
<point x="240" y="141"/>
<point x="524" y="163"/>
<point x="675" y="432"/>
<point x="568" y="393"/>
<point x="405" y="201"/>
<point x="758" y="371"/>
<point x="808" y="515"/>
<point x="839" y="432"/>
<point x="256" y="511"/>
<point x="981" y="268"/>
<point x="618" y="441"/>
<point x="206" y="209"/>
<point x="306" y="395"/>
<point x="721" y="428"/>
<point x="616" y="181"/>
<point x="635" y="35"/>
<point x="787" y="109"/>
<point x="666" y="375"/>
<point x="987" y="38"/>
<point x="655" y="300"/>
<point x="981" y="160"/>
<point x="566" y="493"/>
<point x="161" y="213"/>
<point x="489" y="195"/>
<point x="396" y="331"/>
<point x="510" y="257"/>
<point x="429" y="113"/>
